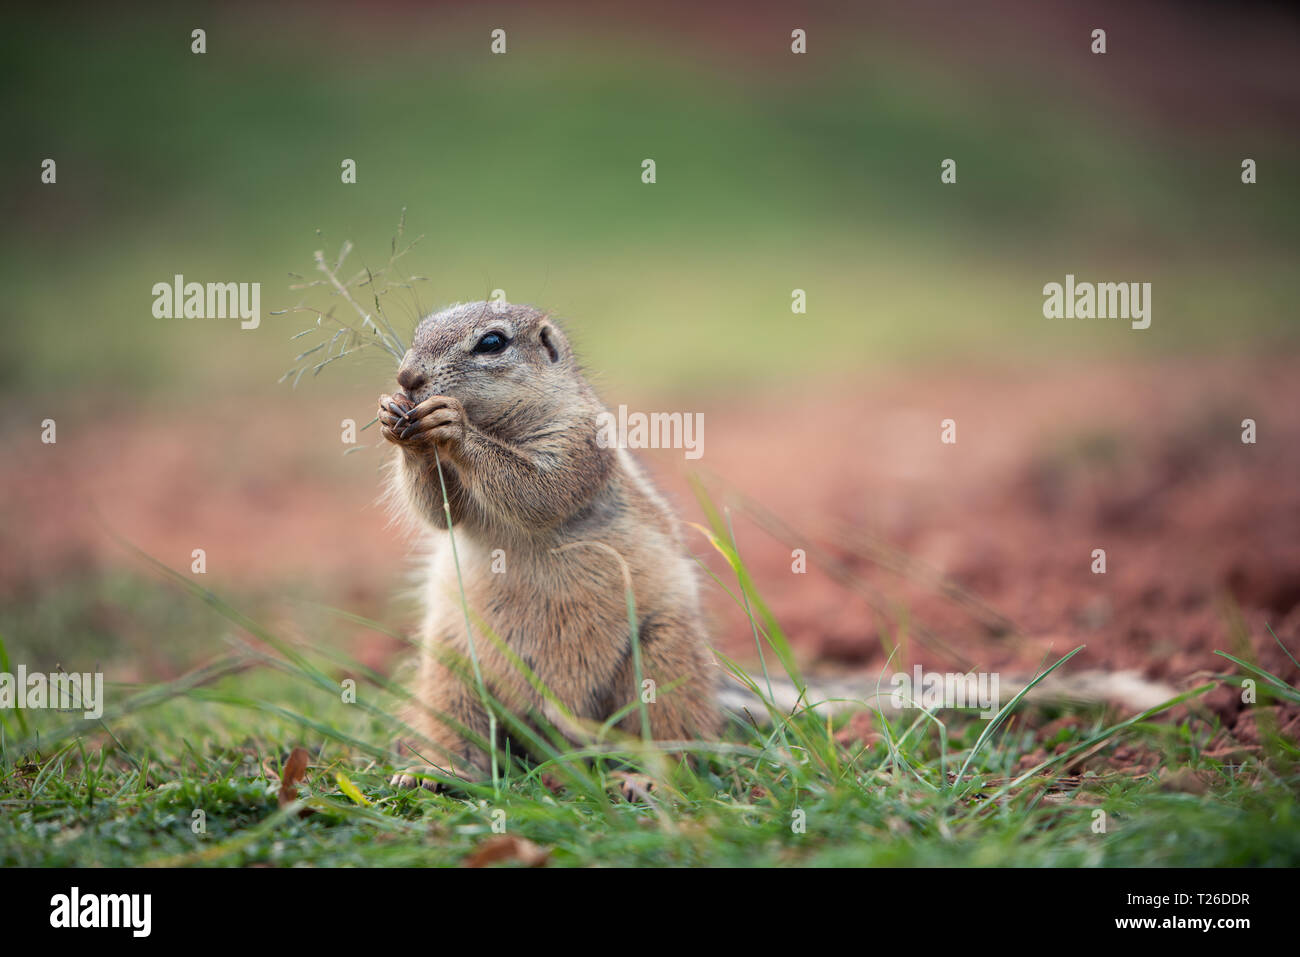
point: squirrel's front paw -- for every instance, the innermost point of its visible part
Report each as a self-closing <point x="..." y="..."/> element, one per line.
<point x="439" y="418"/>
<point x="392" y="412"/>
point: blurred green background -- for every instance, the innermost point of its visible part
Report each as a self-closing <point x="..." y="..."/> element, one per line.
<point x="775" y="171"/>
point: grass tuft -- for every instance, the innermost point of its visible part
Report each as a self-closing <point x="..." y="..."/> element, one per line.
<point x="186" y="773"/>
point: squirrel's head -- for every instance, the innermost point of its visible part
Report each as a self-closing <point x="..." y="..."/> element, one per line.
<point x="490" y="356"/>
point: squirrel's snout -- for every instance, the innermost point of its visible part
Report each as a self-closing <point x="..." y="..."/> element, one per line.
<point x="411" y="380"/>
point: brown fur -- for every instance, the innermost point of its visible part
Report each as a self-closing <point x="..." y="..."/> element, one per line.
<point x="516" y="435"/>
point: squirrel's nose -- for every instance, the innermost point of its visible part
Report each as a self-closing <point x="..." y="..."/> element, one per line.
<point x="410" y="379"/>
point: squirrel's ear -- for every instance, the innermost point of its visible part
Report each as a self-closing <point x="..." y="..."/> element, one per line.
<point x="550" y="340"/>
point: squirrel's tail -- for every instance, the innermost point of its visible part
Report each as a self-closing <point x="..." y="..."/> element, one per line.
<point x="1126" y="690"/>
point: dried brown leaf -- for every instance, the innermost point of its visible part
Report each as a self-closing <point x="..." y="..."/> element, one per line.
<point x="507" y="848"/>
<point x="295" y="769"/>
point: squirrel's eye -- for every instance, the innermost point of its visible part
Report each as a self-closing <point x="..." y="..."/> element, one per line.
<point x="490" y="343"/>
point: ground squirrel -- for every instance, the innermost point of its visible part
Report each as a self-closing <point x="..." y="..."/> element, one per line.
<point x="547" y="524"/>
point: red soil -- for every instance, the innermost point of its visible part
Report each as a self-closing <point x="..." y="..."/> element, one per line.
<point x="1144" y="461"/>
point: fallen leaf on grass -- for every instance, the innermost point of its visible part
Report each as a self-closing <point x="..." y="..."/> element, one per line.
<point x="295" y="769"/>
<point x="351" y="790"/>
<point x="507" y="848"/>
